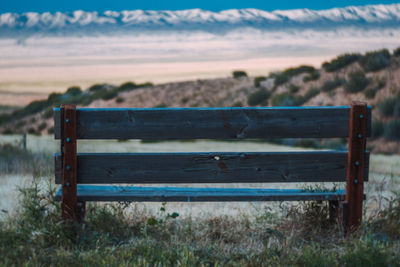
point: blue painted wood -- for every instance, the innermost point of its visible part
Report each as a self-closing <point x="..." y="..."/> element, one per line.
<point x="212" y="167"/>
<point x="211" y="123"/>
<point x="187" y="194"/>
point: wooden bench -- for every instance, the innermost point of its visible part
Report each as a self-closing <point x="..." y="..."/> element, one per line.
<point x="83" y="175"/>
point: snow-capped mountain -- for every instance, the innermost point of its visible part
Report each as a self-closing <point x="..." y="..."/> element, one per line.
<point x="78" y="22"/>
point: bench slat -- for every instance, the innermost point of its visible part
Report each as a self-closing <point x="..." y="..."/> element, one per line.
<point x="212" y="123"/>
<point x="185" y="194"/>
<point x="214" y="167"/>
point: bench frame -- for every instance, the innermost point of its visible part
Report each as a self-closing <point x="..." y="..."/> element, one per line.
<point x="66" y="124"/>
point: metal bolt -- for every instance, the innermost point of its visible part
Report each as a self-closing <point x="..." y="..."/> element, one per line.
<point x="355" y="181"/>
<point x="68" y="139"/>
<point x="361" y="116"/>
<point x="67" y="184"/>
<point x="357" y="163"/>
<point x="360" y="136"/>
<point x="66" y="120"/>
<point x="68" y="167"/>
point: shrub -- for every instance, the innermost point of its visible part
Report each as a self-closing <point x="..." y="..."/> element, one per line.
<point x="330" y="85"/>
<point x="389" y="106"/>
<point x="42" y="126"/>
<point x="258" y="80"/>
<point x="377" y="129"/>
<point x="238" y="74"/>
<point x="50" y="130"/>
<point x="310" y="94"/>
<point x="340" y="62"/>
<point x="375" y="60"/>
<point x="311" y="77"/>
<point x="259" y="97"/>
<point x="74" y="91"/>
<point x="294" y="88"/>
<point x="380" y="83"/>
<point x="307" y="143"/>
<point x="356" y="82"/>
<point x="237" y="104"/>
<point x="392" y="130"/>
<point x="396" y="52"/>
<point x="287" y="74"/>
<point x="283" y="99"/>
<point x="48" y="113"/>
<point x="119" y="100"/>
<point x="96" y="87"/>
<point x="127" y="86"/>
<point x="162" y="105"/>
<point x="370" y="93"/>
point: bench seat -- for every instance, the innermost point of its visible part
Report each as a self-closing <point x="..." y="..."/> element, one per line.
<point x="190" y="194"/>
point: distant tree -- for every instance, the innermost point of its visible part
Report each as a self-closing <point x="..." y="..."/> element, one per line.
<point x="238" y="74"/>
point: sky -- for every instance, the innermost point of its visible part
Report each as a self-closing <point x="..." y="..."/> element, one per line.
<point x="19" y="6"/>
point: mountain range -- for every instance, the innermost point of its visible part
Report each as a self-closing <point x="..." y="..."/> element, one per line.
<point x="111" y="22"/>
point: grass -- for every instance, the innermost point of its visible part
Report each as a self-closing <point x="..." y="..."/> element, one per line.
<point x="122" y="234"/>
<point x="302" y="236"/>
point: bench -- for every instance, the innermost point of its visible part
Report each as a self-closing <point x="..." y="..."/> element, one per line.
<point x="95" y="176"/>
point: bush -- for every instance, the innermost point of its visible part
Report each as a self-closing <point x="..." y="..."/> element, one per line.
<point x="311" y="77"/>
<point x="287" y="74"/>
<point x="370" y="93"/>
<point x="330" y="85"/>
<point x="283" y="99"/>
<point x="310" y="94"/>
<point x="238" y="74"/>
<point x="237" y="104"/>
<point x="390" y="106"/>
<point x="96" y="87"/>
<point x="119" y="100"/>
<point x="392" y="130"/>
<point x="48" y="113"/>
<point x="42" y="126"/>
<point x="259" y="97"/>
<point x="356" y="82"/>
<point x="74" y="91"/>
<point x="258" y="80"/>
<point x="294" y="88"/>
<point x="127" y="86"/>
<point x="377" y="129"/>
<point x="375" y="60"/>
<point x="50" y="130"/>
<point x="340" y="62"/>
<point x="396" y="52"/>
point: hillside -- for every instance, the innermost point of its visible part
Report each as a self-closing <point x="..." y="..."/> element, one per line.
<point x="373" y="77"/>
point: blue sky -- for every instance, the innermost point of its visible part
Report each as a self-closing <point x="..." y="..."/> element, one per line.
<point x="102" y="5"/>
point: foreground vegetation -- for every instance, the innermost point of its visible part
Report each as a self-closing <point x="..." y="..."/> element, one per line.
<point x="303" y="236"/>
<point x="112" y="235"/>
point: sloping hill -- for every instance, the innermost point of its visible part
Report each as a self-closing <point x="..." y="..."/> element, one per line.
<point x="373" y="77"/>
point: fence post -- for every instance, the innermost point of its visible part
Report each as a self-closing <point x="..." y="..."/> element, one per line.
<point x="355" y="166"/>
<point x="68" y="151"/>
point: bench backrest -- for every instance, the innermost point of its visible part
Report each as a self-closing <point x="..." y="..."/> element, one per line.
<point x="210" y="123"/>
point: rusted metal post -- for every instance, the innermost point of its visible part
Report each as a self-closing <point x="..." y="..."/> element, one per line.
<point x="355" y="166"/>
<point x="69" y="197"/>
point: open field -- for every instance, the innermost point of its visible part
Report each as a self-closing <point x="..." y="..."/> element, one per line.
<point x="384" y="173"/>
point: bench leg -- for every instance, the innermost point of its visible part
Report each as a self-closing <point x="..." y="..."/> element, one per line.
<point x="80" y="211"/>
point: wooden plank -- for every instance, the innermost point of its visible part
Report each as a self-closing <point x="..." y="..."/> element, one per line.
<point x="187" y="194"/>
<point x="215" y="167"/>
<point x="355" y="163"/>
<point x="68" y="168"/>
<point x="211" y="123"/>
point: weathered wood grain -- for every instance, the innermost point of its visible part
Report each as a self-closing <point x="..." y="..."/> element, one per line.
<point x="185" y="194"/>
<point x="224" y="167"/>
<point x="355" y="163"/>
<point x="212" y="123"/>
